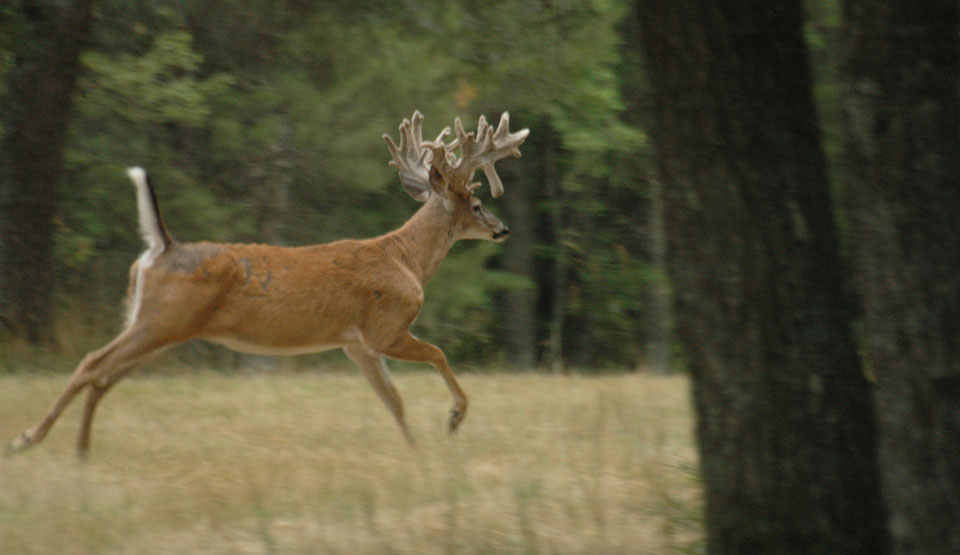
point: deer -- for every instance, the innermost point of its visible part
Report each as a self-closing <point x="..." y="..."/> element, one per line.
<point x="360" y="296"/>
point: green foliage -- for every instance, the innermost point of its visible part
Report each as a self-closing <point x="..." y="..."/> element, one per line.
<point x="458" y="314"/>
<point x="159" y="87"/>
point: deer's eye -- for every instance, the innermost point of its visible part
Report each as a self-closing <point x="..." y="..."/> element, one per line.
<point x="476" y="209"/>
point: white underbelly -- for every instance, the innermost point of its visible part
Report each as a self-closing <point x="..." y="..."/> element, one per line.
<point x="258" y="349"/>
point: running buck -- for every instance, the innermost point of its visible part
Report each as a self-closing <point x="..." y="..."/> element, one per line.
<point x="357" y="295"/>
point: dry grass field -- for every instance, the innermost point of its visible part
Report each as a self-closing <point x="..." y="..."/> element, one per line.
<point x="310" y="462"/>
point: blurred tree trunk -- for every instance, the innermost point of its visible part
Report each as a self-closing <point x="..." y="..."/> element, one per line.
<point x="583" y="325"/>
<point x="785" y="421"/>
<point x="46" y="63"/>
<point x="559" y="266"/>
<point x="658" y="349"/>
<point x="902" y="157"/>
<point x="519" y="305"/>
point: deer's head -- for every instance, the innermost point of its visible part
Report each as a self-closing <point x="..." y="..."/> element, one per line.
<point x="432" y="171"/>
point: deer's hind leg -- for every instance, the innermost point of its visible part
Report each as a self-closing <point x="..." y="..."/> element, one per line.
<point x="97" y="389"/>
<point x="120" y="355"/>
<point x="374" y="367"/>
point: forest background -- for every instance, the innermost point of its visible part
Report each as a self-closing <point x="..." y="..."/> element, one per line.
<point x="261" y="121"/>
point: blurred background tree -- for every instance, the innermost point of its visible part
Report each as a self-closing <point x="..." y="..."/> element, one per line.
<point x="41" y="45"/>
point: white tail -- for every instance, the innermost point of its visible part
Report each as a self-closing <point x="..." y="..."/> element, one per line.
<point x="152" y="228"/>
<point x="360" y="296"/>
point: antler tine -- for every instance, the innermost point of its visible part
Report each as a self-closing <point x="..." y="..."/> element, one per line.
<point x="503" y="138"/>
<point x="442" y="136"/>
<point x="448" y="149"/>
<point x="507" y="142"/>
<point x="461" y="136"/>
<point x="482" y="130"/>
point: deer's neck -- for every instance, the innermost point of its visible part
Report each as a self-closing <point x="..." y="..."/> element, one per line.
<point x="424" y="240"/>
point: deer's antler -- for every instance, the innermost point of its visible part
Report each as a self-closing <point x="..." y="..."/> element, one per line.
<point x="480" y="151"/>
<point x="413" y="157"/>
<point x="410" y="157"/>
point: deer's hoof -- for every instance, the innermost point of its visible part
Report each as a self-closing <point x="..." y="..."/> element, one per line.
<point x="19" y="444"/>
<point x="456" y="417"/>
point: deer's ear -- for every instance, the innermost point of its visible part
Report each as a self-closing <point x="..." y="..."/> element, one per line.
<point x="437" y="182"/>
<point x="415" y="187"/>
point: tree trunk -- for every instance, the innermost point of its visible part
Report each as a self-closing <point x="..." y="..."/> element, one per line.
<point x="519" y="305"/>
<point x="785" y="421"/>
<point x="658" y="348"/>
<point x="554" y="355"/>
<point x="902" y="158"/>
<point x="38" y="105"/>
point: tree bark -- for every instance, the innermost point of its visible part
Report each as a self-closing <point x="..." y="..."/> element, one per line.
<point x="785" y="420"/>
<point x="37" y="111"/>
<point x="902" y="199"/>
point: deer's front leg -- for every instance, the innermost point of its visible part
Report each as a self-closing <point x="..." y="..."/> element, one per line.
<point x="411" y="349"/>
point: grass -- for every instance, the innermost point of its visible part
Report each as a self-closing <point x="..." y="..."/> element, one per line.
<point x="297" y="462"/>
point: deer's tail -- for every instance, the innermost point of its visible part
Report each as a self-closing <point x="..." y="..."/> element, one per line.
<point x="152" y="228"/>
